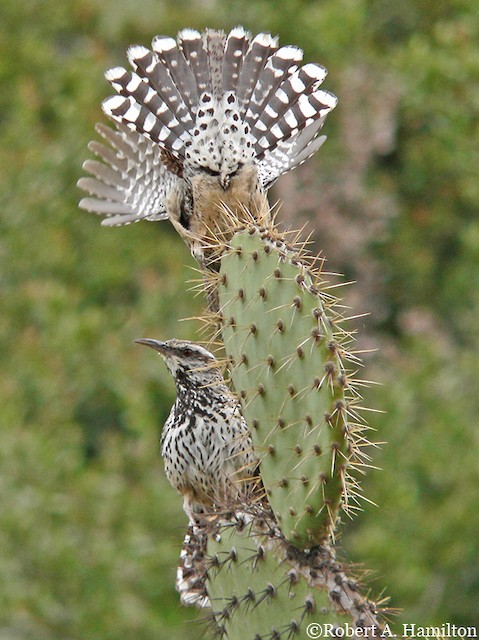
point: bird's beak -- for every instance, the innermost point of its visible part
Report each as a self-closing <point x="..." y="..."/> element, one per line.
<point x="225" y="182"/>
<point x="157" y="345"/>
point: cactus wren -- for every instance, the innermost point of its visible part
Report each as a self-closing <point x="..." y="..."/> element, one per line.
<point x="206" y="444"/>
<point x="207" y="451"/>
<point x="202" y="122"/>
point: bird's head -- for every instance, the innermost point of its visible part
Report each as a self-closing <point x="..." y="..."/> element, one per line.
<point x="185" y="360"/>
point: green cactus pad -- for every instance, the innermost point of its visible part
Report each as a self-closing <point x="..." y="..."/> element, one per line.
<point x="260" y="586"/>
<point x="254" y="594"/>
<point x="287" y="354"/>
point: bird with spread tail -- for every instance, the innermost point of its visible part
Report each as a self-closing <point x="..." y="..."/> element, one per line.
<point x="204" y="124"/>
<point x="207" y="451"/>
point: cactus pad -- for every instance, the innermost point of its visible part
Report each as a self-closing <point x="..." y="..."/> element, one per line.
<point x="260" y="586"/>
<point x="287" y="353"/>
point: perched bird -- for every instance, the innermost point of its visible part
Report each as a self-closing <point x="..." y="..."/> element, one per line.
<point x="208" y="454"/>
<point x="205" y="443"/>
<point x="205" y="122"/>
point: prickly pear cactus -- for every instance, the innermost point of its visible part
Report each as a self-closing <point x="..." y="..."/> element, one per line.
<point x="272" y="571"/>
<point x="261" y="586"/>
<point x="250" y="597"/>
<point x="288" y="357"/>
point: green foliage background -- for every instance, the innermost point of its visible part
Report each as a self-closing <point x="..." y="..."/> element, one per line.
<point x="89" y="528"/>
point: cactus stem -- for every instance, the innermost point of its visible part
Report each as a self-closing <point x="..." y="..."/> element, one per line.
<point x="268" y="271"/>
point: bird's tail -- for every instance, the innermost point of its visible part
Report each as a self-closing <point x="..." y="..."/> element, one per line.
<point x="192" y="570"/>
<point x="178" y="87"/>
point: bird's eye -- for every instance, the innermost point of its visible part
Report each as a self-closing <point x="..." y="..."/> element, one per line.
<point x="187" y="352"/>
<point x="211" y="172"/>
<point x="235" y="172"/>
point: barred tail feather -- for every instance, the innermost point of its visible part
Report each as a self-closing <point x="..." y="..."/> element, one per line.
<point x="299" y="83"/>
<point x="192" y="570"/>
<point x="140" y="107"/>
<point x="276" y="97"/>
<point x="215" y="42"/>
<point x="169" y="54"/>
<point x="294" y="121"/>
<point x="203" y="102"/>
<point x="236" y="46"/>
<point x="279" y="66"/>
<point x="131" y="182"/>
<point x="156" y="74"/>
<point x="261" y="48"/>
<point x="192" y="45"/>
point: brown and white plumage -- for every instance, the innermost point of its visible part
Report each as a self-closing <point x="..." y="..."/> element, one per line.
<point x="207" y="452"/>
<point x="203" y="114"/>
<point x="205" y="443"/>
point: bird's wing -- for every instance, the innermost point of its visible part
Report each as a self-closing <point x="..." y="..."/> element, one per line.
<point x="128" y="182"/>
